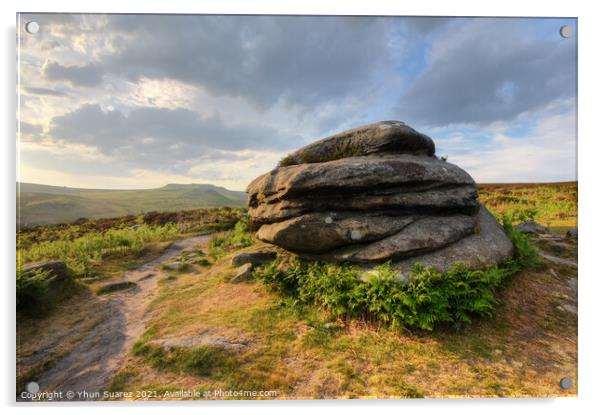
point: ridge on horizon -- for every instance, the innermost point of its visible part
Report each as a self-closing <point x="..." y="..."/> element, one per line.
<point x="165" y="186"/>
<point x="40" y="204"/>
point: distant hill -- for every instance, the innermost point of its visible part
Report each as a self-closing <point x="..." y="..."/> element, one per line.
<point x="39" y="204"/>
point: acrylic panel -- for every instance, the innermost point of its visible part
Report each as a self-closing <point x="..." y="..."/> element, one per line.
<point x="295" y="207"/>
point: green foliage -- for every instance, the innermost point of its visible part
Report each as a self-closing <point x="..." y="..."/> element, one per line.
<point x="342" y="149"/>
<point x="32" y="290"/>
<point x="408" y="391"/>
<point x="119" y="382"/>
<point x="198" y="361"/>
<point x="186" y="221"/>
<point x="553" y="204"/>
<point x="322" y="333"/>
<point x="181" y="267"/>
<point x="239" y="237"/>
<point x="204" y="262"/>
<point x="201" y="360"/>
<point x="38" y="290"/>
<point x="82" y="253"/>
<point x="422" y="299"/>
<point x="331" y="286"/>
<point x="526" y="255"/>
<point x="287" y="161"/>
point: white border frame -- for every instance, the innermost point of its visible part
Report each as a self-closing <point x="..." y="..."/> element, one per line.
<point x="589" y="155"/>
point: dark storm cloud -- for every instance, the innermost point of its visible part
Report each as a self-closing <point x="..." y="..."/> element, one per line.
<point x="302" y="59"/>
<point x="86" y="75"/>
<point x="487" y="70"/>
<point x="163" y="137"/>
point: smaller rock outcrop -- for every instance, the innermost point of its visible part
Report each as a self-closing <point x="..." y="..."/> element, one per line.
<point x="58" y="269"/>
<point x="116" y="286"/>
<point x="203" y="339"/>
<point x="572" y="233"/>
<point x="242" y="273"/>
<point x="58" y="273"/>
<point x="255" y="258"/>
<point x="532" y="227"/>
<point x="174" y="266"/>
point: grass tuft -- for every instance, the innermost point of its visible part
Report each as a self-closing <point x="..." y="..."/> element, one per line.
<point x="197" y="361"/>
<point x="237" y="238"/>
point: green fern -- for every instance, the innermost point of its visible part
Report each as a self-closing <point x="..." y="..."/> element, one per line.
<point x="427" y="299"/>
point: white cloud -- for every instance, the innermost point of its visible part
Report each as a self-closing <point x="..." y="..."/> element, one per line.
<point x="161" y="93"/>
<point x="547" y="153"/>
<point x="63" y="151"/>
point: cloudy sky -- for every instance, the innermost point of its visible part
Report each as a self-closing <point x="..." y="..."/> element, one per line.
<point x="139" y="101"/>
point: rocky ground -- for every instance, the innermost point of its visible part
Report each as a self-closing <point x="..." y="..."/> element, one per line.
<point x="302" y="353"/>
<point x="85" y="355"/>
<point x="255" y="341"/>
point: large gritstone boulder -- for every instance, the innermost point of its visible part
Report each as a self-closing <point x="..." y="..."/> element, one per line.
<point x="373" y="194"/>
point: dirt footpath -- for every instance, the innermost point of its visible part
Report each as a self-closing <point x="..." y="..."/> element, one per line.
<point x="88" y="369"/>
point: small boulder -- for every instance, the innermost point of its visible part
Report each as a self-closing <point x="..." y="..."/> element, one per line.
<point x="531" y="227"/>
<point x="203" y="339"/>
<point x="284" y="266"/>
<point x="146" y="277"/>
<point x="255" y="258"/>
<point x="569" y="308"/>
<point x="58" y="274"/>
<point x="56" y="268"/>
<point x="204" y="262"/>
<point x="572" y="233"/>
<point x="116" y="286"/>
<point x="242" y="273"/>
<point x="173" y="266"/>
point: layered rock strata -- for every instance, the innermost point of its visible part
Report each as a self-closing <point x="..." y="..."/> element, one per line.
<point x="373" y="194"/>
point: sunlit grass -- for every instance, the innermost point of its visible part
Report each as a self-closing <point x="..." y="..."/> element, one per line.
<point x="82" y="253"/>
<point x="553" y="205"/>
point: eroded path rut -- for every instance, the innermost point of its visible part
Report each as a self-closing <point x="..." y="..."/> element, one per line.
<point x="90" y="366"/>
